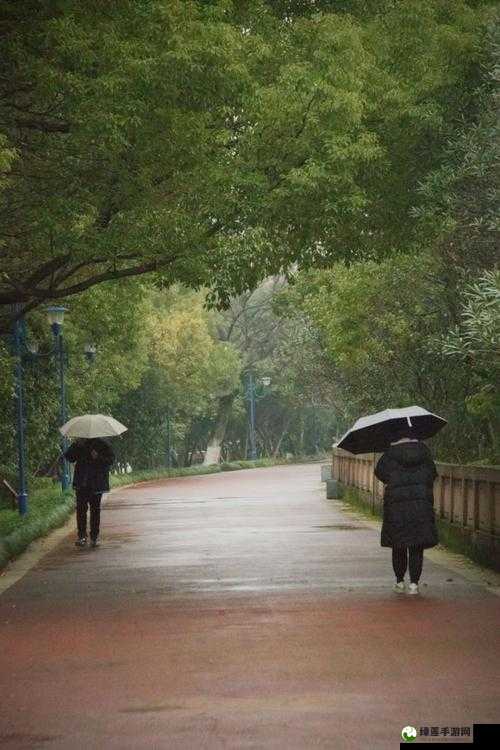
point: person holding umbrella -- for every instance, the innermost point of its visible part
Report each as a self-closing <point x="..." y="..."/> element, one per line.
<point x="407" y="470"/>
<point x="93" y="458"/>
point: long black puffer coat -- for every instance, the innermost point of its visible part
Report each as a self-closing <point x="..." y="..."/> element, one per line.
<point x="91" y="474"/>
<point x="408" y="472"/>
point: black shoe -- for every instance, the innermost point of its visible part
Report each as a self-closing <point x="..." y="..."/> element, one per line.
<point x="81" y="542"/>
<point x="94" y="542"/>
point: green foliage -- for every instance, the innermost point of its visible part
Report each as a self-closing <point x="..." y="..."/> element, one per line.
<point x="216" y="143"/>
<point x="423" y="327"/>
<point x="477" y="341"/>
<point x="48" y="510"/>
<point x="111" y="317"/>
<point x="378" y="324"/>
<point x="479" y="334"/>
<point x="187" y="370"/>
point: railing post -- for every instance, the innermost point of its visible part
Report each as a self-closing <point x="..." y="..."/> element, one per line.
<point x="492" y="508"/>
<point x="442" y="484"/>
<point x="476" y="506"/>
<point x="452" y="495"/>
<point x="465" y="502"/>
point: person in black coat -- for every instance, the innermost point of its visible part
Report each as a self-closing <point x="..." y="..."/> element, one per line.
<point x="408" y="472"/>
<point x="93" y="459"/>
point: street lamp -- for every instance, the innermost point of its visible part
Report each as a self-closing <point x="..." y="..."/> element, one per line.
<point x="28" y="349"/>
<point x="252" y="394"/>
<point x="19" y="342"/>
<point x="90" y="352"/>
<point x="55" y="317"/>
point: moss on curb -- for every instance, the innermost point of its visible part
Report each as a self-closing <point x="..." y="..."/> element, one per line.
<point x="358" y="500"/>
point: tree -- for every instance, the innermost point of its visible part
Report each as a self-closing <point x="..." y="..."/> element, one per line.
<point x="476" y="341"/>
<point x="109" y="316"/>
<point x="111" y="141"/>
<point x="188" y="372"/>
<point x="187" y="145"/>
<point x="378" y="323"/>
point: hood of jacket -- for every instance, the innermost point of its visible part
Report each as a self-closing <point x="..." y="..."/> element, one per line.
<point x="409" y="454"/>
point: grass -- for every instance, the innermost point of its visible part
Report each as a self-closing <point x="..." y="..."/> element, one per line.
<point x="49" y="508"/>
<point x="454" y="539"/>
<point x="354" y="498"/>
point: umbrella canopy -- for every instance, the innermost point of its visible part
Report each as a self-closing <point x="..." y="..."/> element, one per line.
<point x="92" y="426"/>
<point x="375" y="432"/>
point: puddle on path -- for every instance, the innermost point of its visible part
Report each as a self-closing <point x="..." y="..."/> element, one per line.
<point x="150" y="709"/>
<point x="341" y="527"/>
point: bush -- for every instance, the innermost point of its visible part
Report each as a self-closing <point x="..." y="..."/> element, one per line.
<point x="48" y="509"/>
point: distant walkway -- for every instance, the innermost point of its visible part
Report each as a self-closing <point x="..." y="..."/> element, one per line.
<point x="239" y="610"/>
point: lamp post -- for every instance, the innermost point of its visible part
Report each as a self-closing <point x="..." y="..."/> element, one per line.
<point x="24" y="349"/>
<point x="252" y="396"/>
<point x="55" y="317"/>
<point x="169" y="440"/>
<point x="18" y="335"/>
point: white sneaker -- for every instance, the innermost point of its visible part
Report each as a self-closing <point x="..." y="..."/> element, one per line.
<point x="413" y="588"/>
<point x="399" y="588"/>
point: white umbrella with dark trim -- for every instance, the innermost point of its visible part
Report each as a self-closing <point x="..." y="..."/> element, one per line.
<point x="375" y="432"/>
<point x="92" y="426"/>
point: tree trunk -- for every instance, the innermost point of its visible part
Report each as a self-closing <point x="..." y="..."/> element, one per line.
<point x="212" y="455"/>
<point x="280" y="439"/>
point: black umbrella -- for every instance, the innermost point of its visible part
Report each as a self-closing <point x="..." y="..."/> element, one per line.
<point x="375" y="432"/>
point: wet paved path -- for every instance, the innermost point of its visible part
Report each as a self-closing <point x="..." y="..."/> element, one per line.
<point x="238" y="610"/>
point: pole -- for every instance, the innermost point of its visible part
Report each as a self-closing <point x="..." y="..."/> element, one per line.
<point x="169" y="447"/>
<point x="22" y="497"/>
<point x="251" y="398"/>
<point x="65" y="481"/>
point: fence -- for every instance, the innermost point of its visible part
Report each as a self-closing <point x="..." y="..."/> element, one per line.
<point x="466" y="499"/>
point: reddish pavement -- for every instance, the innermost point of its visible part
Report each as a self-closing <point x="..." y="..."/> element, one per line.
<point x="239" y="610"/>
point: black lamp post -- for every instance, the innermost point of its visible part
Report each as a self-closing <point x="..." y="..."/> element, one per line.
<point x="252" y="394"/>
<point x="29" y="350"/>
<point x="19" y="343"/>
<point x="55" y="316"/>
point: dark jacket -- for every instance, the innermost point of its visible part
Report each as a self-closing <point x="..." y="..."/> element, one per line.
<point x="408" y="472"/>
<point x="91" y="474"/>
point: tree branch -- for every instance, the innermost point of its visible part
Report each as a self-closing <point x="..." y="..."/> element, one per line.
<point x="98" y="279"/>
<point x="43" y="126"/>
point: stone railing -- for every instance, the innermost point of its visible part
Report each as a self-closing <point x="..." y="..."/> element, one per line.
<point x="466" y="498"/>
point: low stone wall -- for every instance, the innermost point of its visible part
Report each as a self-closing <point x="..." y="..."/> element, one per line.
<point x="466" y="500"/>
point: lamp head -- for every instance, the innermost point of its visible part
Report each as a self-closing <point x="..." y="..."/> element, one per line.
<point x="90" y="352"/>
<point x="33" y="347"/>
<point x="55" y="316"/>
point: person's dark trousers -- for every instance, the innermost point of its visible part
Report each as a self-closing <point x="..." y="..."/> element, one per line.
<point x="83" y="500"/>
<point x="401" y="556"/>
